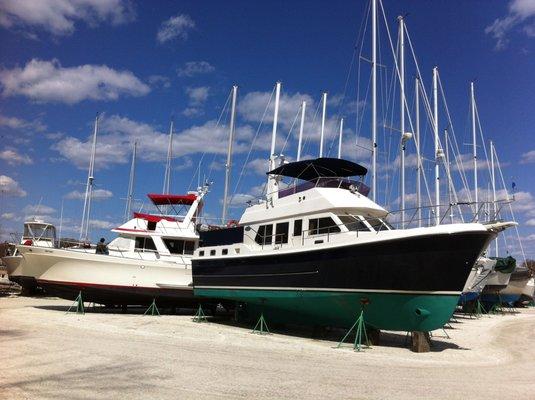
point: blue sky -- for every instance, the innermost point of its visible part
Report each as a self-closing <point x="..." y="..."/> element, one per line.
<point x="141" y="64"/>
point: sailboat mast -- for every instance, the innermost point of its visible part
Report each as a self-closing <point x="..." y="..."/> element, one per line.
<point x="340" y="137"/>
<point x="167" y="175"/>
<point x="374" y="100"/>
<point x="418" y="164"/>
<point x="130" y="194"/>
<point x="474" y="147"/>
<point x="301" y="128"/>
<point x="493" y="183"/>
<point x="272" y="179"/>
<point x="323" y="114"/>
<point x="402" y="113"/>
<point x="437" y="146"/>
<point x="228" y="165"/>
<point x="448" y="173"/>
<point x="84" y="228"/>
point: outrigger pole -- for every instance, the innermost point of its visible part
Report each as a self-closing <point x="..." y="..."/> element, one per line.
<point x="303" y="110"/>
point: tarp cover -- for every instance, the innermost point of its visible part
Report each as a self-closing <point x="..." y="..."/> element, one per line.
<point x="320" y="167"/>
<point x="164" y="199"/>
<point x="505" y="265"/>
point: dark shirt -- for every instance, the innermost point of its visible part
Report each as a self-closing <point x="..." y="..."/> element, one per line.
<point x="102" y="248"/>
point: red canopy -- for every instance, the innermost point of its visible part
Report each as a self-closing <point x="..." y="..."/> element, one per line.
<point x="153" y="218"/>
<point x="164" y="199"/>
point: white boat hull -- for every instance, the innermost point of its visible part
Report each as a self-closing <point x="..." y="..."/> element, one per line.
<point x="108" y="279"/>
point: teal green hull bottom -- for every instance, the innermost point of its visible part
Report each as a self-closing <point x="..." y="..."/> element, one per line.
<point x="388" y="311"/>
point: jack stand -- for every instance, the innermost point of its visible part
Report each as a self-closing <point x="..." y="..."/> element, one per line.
<point x="443" y="330"/>
<point x="79" y="303"/>
<point x="261" y="326"/>
<point x="480" y="310"/>
<point x="199" y="315"/>
<point x="360" y="328"/>
<point x="497" y="307"/>
<point x="153" y="309"/>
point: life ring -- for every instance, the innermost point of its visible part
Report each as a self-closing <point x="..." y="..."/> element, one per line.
<point x="28" y="242"/>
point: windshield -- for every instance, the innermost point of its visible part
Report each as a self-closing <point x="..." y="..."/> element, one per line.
<point x="39" y="231"/>
<point x="379" y="225"/>
<point x="353" y="223"/>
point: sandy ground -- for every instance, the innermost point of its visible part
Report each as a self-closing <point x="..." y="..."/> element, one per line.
<point x="48" y="354"/>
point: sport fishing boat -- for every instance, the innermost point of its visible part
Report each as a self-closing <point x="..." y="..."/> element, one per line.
<point x="477" y="280"/>
<point x="528" y="291"/>
<point x="319" y="252"/>
<point x="519" y="280"/>
<point x="498" y="280"/>
<point x="149" y="259"/>
<point x="36" y="233"/>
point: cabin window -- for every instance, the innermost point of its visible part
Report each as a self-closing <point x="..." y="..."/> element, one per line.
<point x="201" y="253"/>
<point x="176" y="246"/>
<point x="379" y="225"/>
<point x="298" y="227"/>
<point x="151" y="225"/>
<point x="237" y="251"/>
<point x="145" y="243"/>
<point x="189" y="247"/>
<point x="224" y="252"/>
<point x="353" y="224"/>
<point x="318" y="226"/>
<point x="212" y="252"/>
<point x="281" y="232"/>
<point x="264" y="234"/>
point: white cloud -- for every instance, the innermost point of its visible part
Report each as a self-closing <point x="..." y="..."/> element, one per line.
<point x="98" y="194"/>
<point x="13" y="158"/>
<point x="159" y="81"/>
<point x="59" y="16"/>
<point x="528" y="157"/>
<point x="530" y="222"/>
<point x="259" y="166"/>
<point x="40" y="209"/>
<point x="44" y="81"/>
<point x="520" y="15"/>
<point x="10" y="216"/>
<point x="197" y="96"/>
<point x="114" y="144"/>
<point x="18" y="123"/>
<point x="175" y="27"/>
<point x="10" y="187"/>
<point x="102" y="224"/>
<point x="192" y="68"/>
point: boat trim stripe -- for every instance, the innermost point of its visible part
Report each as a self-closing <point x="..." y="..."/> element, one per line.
<point x="304" y="289"/>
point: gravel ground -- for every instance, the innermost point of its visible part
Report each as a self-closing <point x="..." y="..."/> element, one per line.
<point x="48" y="354"/>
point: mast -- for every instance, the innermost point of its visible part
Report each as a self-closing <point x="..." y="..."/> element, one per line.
<point x="402" y="113"/>
<point x="273" y="179"/>
<point x="228" y="165"/>
<point x="493" y="183"/>
<point x="130" y="194"/>
<point x="437" y="146"/>
<point x="303" y="109"/>
<point x="323" y="122"/>
<point x="84" y="229"/>
<point x="374" y="99"/>
<point x="418" y="164"/>
<point x="474" y="146"/>
<point x="340" y="138"/>
<point x="167" y="175"/>
<point x="60" y="223"/>
<point x="448" y="173"/>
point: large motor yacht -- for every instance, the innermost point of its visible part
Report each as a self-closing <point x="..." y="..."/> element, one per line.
<point x="149" y="259"/>
<point x="320" y="251"/>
